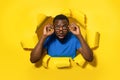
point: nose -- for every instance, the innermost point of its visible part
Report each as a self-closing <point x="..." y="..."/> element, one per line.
<point x="61" y="31"/>
<point x="61" y="28"/>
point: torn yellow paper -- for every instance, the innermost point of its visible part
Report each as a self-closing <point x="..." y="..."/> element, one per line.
<point x="79" y="60"/>
<point x="93" y="39"/>
<point x="66" y="12"/>
<point x="59" y="62"/>
<point x="41" y="18"/>
<point x="29" y="44"/>
<point x="45" y="60"/>
<point x="79" y="16"/>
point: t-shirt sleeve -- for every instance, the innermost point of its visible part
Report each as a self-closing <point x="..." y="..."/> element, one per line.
<point x="45" y="45"/>
<point x="78" y="44"/>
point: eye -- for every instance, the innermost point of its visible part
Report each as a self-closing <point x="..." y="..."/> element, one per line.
<point x="64" y="27"/>
<point x="56" y="27"/>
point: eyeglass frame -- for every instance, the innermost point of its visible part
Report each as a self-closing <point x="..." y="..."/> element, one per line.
<point x="63" y="27"/>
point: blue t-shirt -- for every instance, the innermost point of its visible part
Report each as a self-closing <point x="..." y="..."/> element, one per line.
<point x="65" y="48"/>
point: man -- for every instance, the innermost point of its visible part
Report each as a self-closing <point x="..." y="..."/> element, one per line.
<point x="61" y="40"/>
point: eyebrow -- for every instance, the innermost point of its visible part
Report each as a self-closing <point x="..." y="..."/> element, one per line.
<point x="59" y="25"/>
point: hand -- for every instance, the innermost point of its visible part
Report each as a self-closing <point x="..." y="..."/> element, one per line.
<point x="48" y="30"/>
<point x="74" y="29"/>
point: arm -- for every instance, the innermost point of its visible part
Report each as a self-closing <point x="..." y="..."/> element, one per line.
<point x="85" y="49"/>
<point x="38" y="50"/>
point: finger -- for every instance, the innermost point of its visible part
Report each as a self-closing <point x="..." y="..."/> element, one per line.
<point x="76" y="25"/>
<point x="45" y="28"/>
<point x="73" y="27"/>
<point x="49" y="27"/>
<point x="51" y="32"/>
<point x="70" y="28"/>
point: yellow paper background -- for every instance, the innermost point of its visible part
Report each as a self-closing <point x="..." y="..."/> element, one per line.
<point x="18" y="21"/>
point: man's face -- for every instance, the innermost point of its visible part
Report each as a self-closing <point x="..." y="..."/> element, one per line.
<point x="61" y="28"/>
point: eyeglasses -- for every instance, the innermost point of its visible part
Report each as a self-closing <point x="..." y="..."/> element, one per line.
<point x="63" y="27"/>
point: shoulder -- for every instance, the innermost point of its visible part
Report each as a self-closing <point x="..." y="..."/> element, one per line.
<point x="71" y="35"/>
<point x="49" y="39"/>
<point x="73" y="38"/>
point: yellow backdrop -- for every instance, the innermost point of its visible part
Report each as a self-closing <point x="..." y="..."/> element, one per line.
<point x="18" y="21"/>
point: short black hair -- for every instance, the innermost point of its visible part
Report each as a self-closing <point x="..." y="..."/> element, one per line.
<point x="60" y="17"/>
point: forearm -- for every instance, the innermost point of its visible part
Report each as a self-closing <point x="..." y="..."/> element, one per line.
<point x="37" y="51"/>
<point x="85" y="51"/>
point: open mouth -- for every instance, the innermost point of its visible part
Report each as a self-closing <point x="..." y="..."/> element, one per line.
<point x="60" y="36"/>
